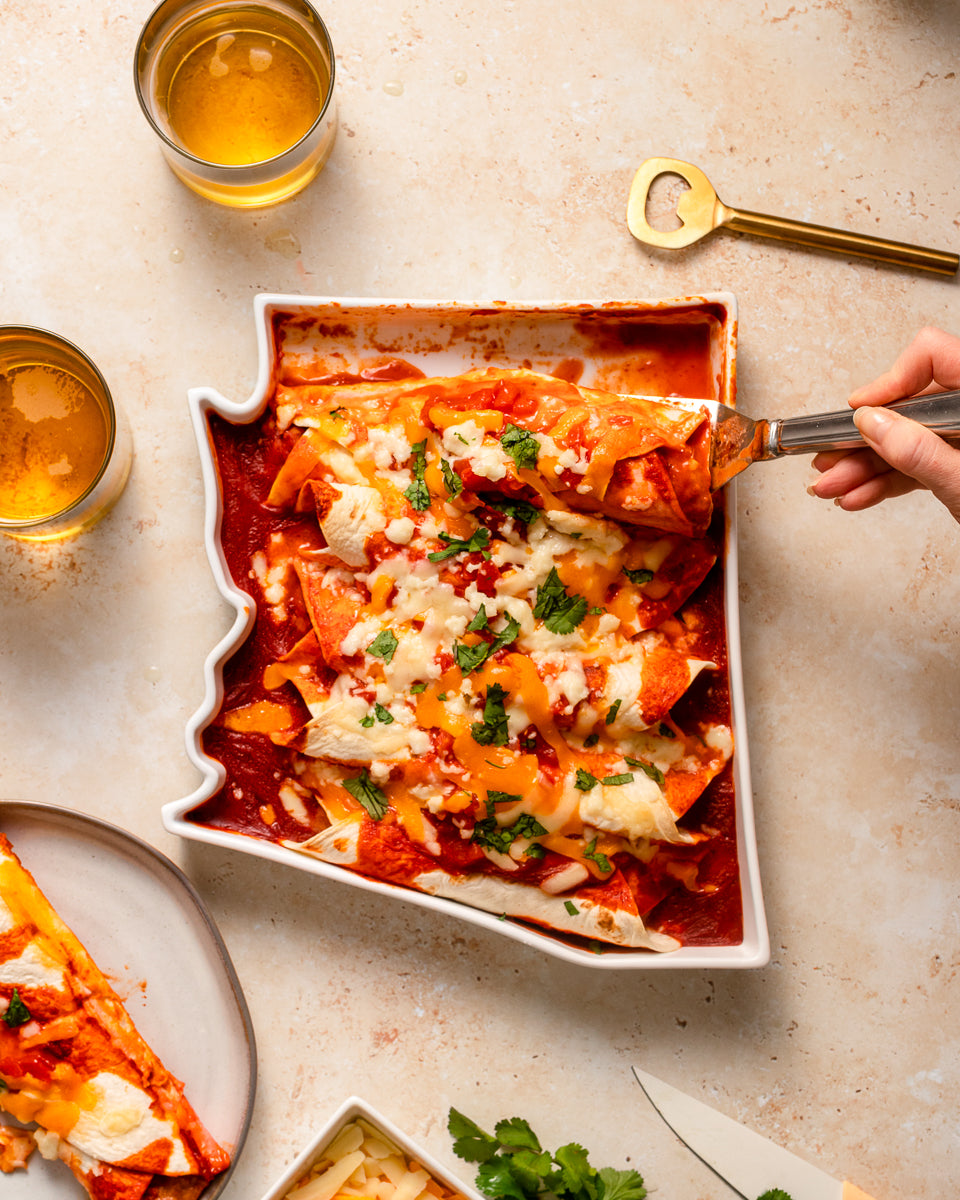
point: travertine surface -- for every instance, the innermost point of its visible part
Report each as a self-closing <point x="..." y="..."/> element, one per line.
<point x="485" y="153"/>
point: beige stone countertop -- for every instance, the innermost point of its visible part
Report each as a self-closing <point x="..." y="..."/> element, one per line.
<point x="485" y="152"/>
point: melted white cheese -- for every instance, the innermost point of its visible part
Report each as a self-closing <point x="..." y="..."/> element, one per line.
<point x="120" y="1124"/>
<point x="32" y="969"/>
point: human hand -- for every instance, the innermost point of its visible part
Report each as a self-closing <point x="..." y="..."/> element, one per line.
<point x="901" y="455"/>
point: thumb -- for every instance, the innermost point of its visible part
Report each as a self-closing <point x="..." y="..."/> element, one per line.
<point x="915" y="451"/>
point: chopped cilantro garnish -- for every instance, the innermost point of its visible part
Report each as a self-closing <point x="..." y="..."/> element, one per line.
<point x="383" y="715"/>
<point x="362" y="788"/>
<point x="417" y="492"/>
<point x="666" y="731"/>
<point x="591" y="740"/>
<point x="468" y="658"/>
<point x="571" y="907"/>
<point x="775" y="1194"/>
<point x="640" y="576"/>
<point x="367" y="721"/>
<point x="596" y="611"/>
<point x="384" y="645"/>
<point x="493" y="730"/>
<point x="647" y="768"/>
<point x="521" y="510"/>
<point x="478" y="540"/>
<point x="585" y="781"/>
<point x="521" y="445"/>
<point x="512" y="1165"/>
<point x="417" y="688"/>
<point x="502" y="797"/>
<point x="452" y="481"/>
<point x="479" y="622"/>
<point x="560" y="612"/>
<point x="612" y="712"/>
<point x="501" y="837"/>
<point x="17" y="1012"/>
<point x="616" y="780"/>
<point x="594" y="855"/>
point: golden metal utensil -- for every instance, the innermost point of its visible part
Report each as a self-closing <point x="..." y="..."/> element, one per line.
<point x="701" y="211"/>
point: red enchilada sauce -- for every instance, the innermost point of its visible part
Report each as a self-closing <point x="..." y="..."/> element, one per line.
<point x="690" y="891"/>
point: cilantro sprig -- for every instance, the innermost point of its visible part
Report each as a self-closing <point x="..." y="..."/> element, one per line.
<point x="521" y="445"/>
<point x="468" y="658"/>
<point x="512" y="1165"/>
<point x="559" y="611"/>
<point x="478" y="540"/>
<point x="362" y="788"/>
<point x="16" y="1012"/>
<point x="417" y="493"/>
<point x="492" y="731"/>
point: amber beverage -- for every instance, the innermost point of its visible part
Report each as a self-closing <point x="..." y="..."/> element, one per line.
<point x="64" y="453"/>
<point x="241" y="95"/>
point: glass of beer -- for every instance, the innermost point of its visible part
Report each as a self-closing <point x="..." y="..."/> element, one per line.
<point x="240" y="95"/>
<point x="65" y="452"/>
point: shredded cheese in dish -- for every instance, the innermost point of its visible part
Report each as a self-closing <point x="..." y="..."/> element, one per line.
<point x="498" y="668"/>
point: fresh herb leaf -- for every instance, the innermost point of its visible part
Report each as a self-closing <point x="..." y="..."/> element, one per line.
<point x="612" y="712"/>
<point x="571" y="907"/>
<point x="594" y="855"/>
<point x="513" y="1166"/>
<point x="640" y="576"/>
<point x="666" y="731"/>
<point x="468" y="658"/>
<point x="774" y="1194"/>
<point x="493" y="730"/>
<point x="521" y="510"/>
<point x="647" y="768"/>
<point x="479" y="622"/>
<point x="362" y="788"/>
<point x="616" y="780"/>
<point x="17" y="1012"/>
<point x="585" y="781"/>
<point x="367" y="722"/>
<point x="417" y="492"/>
<point x="489" y="832"/>
<point x="451" y="480"/>
<point x="560" y="612"/>
<point x="591" y="740"/>
<point x="384" y="645"/>
<point x="521" y="445"/>
<point x="383" y="715"/>
<point x="417" y="688"/>
<point x="470" y="1142"/>
<point x="596" y="611"/>
<point x="622" y="1185"/>
<point x="502" y="797"/>
<point x="478" y="540"/>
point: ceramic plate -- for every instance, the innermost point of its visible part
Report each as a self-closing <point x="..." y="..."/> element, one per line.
<point x="598" y="344"/>
<point x="150" y="934"/>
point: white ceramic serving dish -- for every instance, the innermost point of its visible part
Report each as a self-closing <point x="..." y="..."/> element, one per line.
<point x="601" y="341"/>
<point x="352" y="1110"/>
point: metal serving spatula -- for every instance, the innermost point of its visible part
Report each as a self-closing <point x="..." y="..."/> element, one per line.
<point x="739" y="440"/>
<point x="701" y="211"/>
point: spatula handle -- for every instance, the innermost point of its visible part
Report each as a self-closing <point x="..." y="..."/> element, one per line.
<point x="822" y="238"/>
<point x="939" y="411"/>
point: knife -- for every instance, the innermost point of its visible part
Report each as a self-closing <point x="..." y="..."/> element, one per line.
<point x="749" y="1163"/>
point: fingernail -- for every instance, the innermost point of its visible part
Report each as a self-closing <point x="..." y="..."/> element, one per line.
<point x="872" y="423"/>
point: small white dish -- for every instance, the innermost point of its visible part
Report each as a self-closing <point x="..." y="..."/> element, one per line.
<point x="355" y="1109"/>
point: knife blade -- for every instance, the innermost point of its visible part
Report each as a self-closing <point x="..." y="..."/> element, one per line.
<point x="750" y="1163"/>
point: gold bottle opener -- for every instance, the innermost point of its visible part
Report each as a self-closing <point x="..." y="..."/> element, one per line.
<point x="701" y="211"/>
